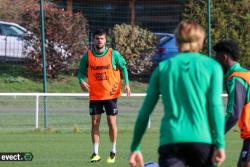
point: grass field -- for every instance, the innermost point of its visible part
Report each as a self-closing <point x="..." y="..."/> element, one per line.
<point x="59" y="146"/>
<point x="73" y="149"/>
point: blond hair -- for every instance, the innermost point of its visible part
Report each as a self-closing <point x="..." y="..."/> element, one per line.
<point x="189" y="36"/>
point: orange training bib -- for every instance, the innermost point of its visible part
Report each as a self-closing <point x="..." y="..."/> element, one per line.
<point x="104" y="81"/>
<point x="244" y="120"/>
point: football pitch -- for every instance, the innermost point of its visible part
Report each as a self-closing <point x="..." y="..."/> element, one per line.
<point x="60" y="146"/>
<point x="53" y="149"/>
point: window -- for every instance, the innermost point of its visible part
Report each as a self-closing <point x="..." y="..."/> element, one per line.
<point x="10" y="30"/>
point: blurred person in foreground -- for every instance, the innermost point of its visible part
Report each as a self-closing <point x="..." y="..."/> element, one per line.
<point x="237" y="81"/>
<point x="190" y="85"/>
<point x="103" y="66"/>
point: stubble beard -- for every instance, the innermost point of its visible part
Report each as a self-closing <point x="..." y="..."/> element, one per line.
<point x="99" y="47"/>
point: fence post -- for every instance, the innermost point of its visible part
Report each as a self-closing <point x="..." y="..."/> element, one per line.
<point x="149" y="123"/>
<point x="44" y="64"/>
<point x="209" y="28"/>
<point x="37" y="112"/>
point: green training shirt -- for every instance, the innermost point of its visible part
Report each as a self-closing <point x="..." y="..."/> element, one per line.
<point x="238" y="94"/>
<point x="190" y="85"/>
<point x="117" y="62"/>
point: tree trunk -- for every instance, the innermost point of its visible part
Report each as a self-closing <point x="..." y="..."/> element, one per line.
<point x="132" y="17"/>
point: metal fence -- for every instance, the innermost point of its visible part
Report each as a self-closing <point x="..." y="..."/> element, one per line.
<point x="157" y="16"/>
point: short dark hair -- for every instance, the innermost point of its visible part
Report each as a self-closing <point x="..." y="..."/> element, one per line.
<point x="99" y="31"/>
<point x="229" y="47"/>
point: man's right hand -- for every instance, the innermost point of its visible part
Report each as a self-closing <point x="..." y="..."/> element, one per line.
<point x="127" y="89"/>
<point x="218" y="156"/>
<point x="84" y="86"/>
<point x="136" y="158"/>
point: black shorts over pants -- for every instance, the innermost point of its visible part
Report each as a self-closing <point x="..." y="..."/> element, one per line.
<point x="97" y="107"/>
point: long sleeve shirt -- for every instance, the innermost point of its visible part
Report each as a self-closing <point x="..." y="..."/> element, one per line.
<point x="117" y="62"/>
<point x="190" y="85"/>
<point x="238" y="94"/>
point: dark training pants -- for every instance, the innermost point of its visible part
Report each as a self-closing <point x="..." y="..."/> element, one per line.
<point x="245" y="152"/>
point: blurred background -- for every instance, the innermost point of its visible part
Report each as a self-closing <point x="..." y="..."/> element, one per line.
<point x="141" y="30"/>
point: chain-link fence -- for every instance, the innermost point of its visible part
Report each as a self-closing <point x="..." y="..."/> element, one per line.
<point x="157" y="16"/>
<point x="69" y="27"/>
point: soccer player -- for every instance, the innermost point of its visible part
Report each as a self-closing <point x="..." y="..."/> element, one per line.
<point x="237" y="80"/>
<point x="103" y="66"/>
<point x="190" y="85"/>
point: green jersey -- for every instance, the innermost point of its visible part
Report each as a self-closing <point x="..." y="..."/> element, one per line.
<point x="190" y="85"/>
<point x="117" y="62"/>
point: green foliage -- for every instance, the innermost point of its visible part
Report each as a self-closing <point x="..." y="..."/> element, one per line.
<point x="14" y="79"/>
<point x="136" y="45"/>
<point x="230" y="20"/>
<point x="66" y="38"/>
<point x="14" y="74"/>
<point x="17" y="78"/>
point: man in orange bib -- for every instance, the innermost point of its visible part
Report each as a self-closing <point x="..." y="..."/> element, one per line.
<point x="103" y="66"/>
<point x="237" y="81"/>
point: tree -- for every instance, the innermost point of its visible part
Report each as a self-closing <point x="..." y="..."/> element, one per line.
<point x="137" y="48"/>
<point x="66" y="38"/>
<point x="230" y="19"/>
<point x="132" y="17"/>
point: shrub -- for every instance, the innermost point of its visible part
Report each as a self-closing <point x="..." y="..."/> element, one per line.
<point x="136" y="45"/>
<point x="65" y="34"/>
<point x="230" y="19"/>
